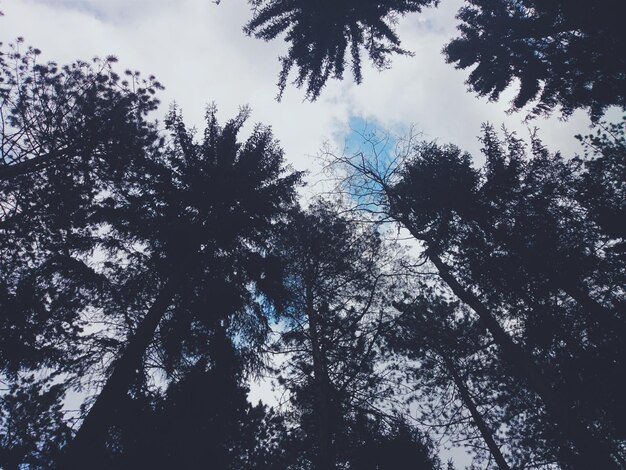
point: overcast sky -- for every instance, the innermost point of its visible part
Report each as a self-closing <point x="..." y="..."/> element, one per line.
<point x="199" y="52"/>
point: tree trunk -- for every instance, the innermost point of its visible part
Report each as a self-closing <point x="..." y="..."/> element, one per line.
<point x="31" y="165"/>
<point x="591" y="451"/>
<point x="325" y="457"/>
<point x="480" y="423"/>
<point x="83" y="451"/>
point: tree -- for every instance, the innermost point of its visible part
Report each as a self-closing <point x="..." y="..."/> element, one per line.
<point x="204" y="420"/>
<point x="321" y="32"/>
<point x="435" y="194"/>
<point x="338" y="278"/>
<point x="32" y="424"/>
<point x="600" y="189"/>
<point x="562" y="54"/>
<point x="386" y="444"/>
<point x="449" y="347"/>
<point x="565" y="54"/>
<point x="73" y="115"/>
<point x="67" y="134"/>
<point x="203" y="212"/>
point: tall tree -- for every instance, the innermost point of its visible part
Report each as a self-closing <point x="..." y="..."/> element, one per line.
<point x="600" y="187"/>
<point x="67" y="135"/>
<point x="73" y="115"/>
<point x="436" y="195"/>
<point x="203" y="212"/>
<point x="563" y="54"/>
<point x="461" y="387"/>
<point x="203" y="420"/>
<point x="430" y="331"/>
<point x="334" y="314"/>
<point x="33" y="427"/>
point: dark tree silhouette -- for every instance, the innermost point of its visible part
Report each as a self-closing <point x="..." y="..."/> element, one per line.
<point x="204" y="420"/>
<point x="335" y="312"/>
<point x="600" y="188"/>
<point x="76" y="114"/>
<point x="511" y="263"/>
<point x="432" y="331"/>
<point x="563" y="54"/>
<point x="379" y="444"/>
<point x="321" y="33"/>
<point x="205" y="211"/>
<point x="66" y="135"/>
<point x="32" y="424"/>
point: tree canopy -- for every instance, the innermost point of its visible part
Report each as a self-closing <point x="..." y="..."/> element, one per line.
<point x="565" y="55"/>
<point x="562" y="54"/>
<point x="321" y="34"/>
<point x="517" y="244"/>
<point x="150" y="273"/>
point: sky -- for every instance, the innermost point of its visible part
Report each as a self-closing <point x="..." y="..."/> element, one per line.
<point x="197" y="49"/>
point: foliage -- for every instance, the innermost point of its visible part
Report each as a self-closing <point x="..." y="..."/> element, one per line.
<point x="68" y="135"/>
<point x="517" y="242"/>
<point x="321" y="33"/>
<point x="562" y="54"/>
<point x="32" y="424"/>
<point x="204" y="419"/>
<point x="338" y="275"/>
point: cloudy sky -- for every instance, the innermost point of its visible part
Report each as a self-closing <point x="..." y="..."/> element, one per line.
<point x="196" y="48"/>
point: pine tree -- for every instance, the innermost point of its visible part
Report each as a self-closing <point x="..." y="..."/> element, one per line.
<point x="511" y="273"/>
<point x="321" y="33"/>
<point x="564" y="54"/>
<point x="335" y="311"/>
<point x="204" y="212"/>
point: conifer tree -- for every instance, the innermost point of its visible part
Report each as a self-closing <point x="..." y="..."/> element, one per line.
<point x="563" y="54"/>
<point x="203" y="212"/>
<point x="338" y="280"/>
<point x="442" y="202"/>
<point x="321" y="33"/>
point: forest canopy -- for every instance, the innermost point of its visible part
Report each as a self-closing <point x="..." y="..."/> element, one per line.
<point x="151" y="271"/>
<point x="562" y="54"/>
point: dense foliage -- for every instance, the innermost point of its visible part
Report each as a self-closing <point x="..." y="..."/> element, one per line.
<point x="518" y="242"/>
<point x="558" y="54"/>
<point x="149" y="274"/>
<point x="321" y="33"/>
<point x="562" y="53"/>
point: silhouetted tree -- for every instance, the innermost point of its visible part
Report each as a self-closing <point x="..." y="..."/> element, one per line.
<point x="32" y="425"/>
<point x="470" y="230"/>
<point x="562" y="53"/>
<point x="76" y="115"/>
<point x="68" y="134"/>
<point x="322" y="32"/>
<point x="203" y="212"/>
<point x="386" y="444"/>
<point x="338" y="279"/>
<point x="204" y="420"/>
<point x="450" y="348"/>
<point x="600" y="188"/>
